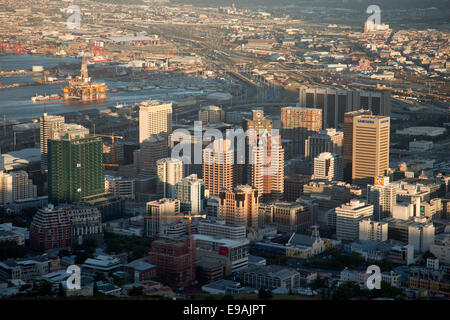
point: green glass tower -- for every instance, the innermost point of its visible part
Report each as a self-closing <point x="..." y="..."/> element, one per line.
<point x="75" y="169"/>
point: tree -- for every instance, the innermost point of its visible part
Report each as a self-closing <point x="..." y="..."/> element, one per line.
<point x="265" y="294"/>
<point x="136" y="291"/>
<point x="10" y="249"/>
<point x="347" y="290"/>
<point x="61" y="291"/>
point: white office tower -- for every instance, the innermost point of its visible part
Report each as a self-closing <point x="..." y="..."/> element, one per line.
<point x="50" y="126"/>
<point x="155" y="118"/>
<point x="328" y="166"/>
<point x="421" y="234"/>
<point x="219" y="229"/>
<point x="383" y="197"/>
<point x="348" y="217"/>
<point x="191" y="193"/>
<point x="169" y="172"/>
<point x="161" y="217"/>
<point x="16" y="186"/>
<point x="373" y="230"/>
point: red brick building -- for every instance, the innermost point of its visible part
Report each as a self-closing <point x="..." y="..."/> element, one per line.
<point x="174" y="261"/>
<point x="50" y="228"/>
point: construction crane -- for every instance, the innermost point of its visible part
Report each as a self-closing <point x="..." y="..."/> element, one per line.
<point x="188" y="216"/>
<point x="112" y="146"/>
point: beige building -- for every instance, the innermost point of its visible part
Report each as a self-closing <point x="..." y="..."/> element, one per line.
<point x="218" y="167"/>
<point x="160" y="217"/>
<point x="373" y="230"/>
<point x="328" y="166"/>
<point x="370" y="152"/>
<point x="239" y="207"/>
<point x="16" y="185"/>
<point x="328" y="140"/>
<point x="155" y="118"/>
<point x="347" y="147"/>
<point x="169" y="172"/>
<point x="265" y="169"/>
<point x="348" y="217"/>
<point x="211" y="114"/>
<point x="297" y="124"/>
<point x="152" y="149"/>
<point x="49" y="127"/>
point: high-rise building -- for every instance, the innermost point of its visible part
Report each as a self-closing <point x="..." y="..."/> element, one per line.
<point x="153" y="148"/>
<point x="373" y="230"/>
<point x="265" y="158"/>
<point x="121" y="186"/>
<point x="383" y="197"/>
<point x="370" y="152"/>
<point x="174" y="261"/>
<point x="155" y="118"/>
<point x="348" y="141"/>
<point x="328" y="166"/>
<point x="211" y="114"/>
<point x="50" y="229"/>
<point x="219" y="170"/>
<point x="334" y="103"/>
<point x="75" y="169"/>
<point x="191" y="193"/>
<point x="15" y="186"/>
<point x="50" y="127"/>
<point x="219" y="229"/>
<point x="348" y="217"/>
<point x="169" y="172"/>
<point x="160" y="217"/>
<point x="239" y="207"/>
<point x="287" y="217"/>
<point x="421" y="234"/>
<point x="328" y="140"/>
<point x="297" y="124"/>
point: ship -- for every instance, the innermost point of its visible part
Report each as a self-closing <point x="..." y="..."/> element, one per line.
<point x="83" y="89"/>
<point x="39" y="98"/>
<point x="98" y="59"/>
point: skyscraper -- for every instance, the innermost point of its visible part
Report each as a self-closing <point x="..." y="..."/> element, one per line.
<point x="169" y="172"/>
<point x="75" y="169"/>
<point x="370" y="152"/>
<point x="265" y="158"/>
<point x="239" y="207"/>
<point x="155" y="118"/>
<point x="152" y="149"/>
<point x="328" y="140"/>
<point x="219" y="170"/>
<point x="334" y="103"/>
<point x="383" y="197"/>
<point x="348" y="141"/>
<point x="50" y="228"/>
<point x="191" y="193"/>
<point x="160" y="216"/>
<point x="16" y="185"/>
<point x="328" y="166"/>
<point x="297" y="124"/>
<point x="211" y="114"/>
<point x="50" y="126"/>
<point x="348" y="217"/>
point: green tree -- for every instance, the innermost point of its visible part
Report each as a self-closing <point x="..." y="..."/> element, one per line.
<point x="265" y="294"/>
<point x="136" y="291"/>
